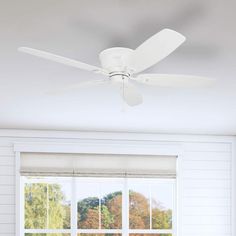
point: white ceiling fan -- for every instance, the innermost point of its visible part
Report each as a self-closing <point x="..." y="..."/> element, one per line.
<point x="122" y="66"/>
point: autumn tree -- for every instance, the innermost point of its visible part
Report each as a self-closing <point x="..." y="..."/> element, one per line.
<point x="88" y="213"/>
<point x="138" y="211"/>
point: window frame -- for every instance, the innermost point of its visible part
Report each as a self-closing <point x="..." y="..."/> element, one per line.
<point x="125" y="230"/>
<point x="100" y="143"/>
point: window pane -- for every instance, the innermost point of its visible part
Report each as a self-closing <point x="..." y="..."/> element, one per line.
<point x="88" y="205"/>
<point x="59" y="202"/>
<point x="162" y="206"/>
<point x="35" y="205"/>
<point x="99" y="234"/>
<point x="111" y="206"/>
<point x="47" y="205"/>
<point x="139" y="209"/>
<point x="150" y="234"/>
<point x="47" y="234"/>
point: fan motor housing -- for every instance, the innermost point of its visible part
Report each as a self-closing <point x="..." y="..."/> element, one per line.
<point x="116" y="59"/>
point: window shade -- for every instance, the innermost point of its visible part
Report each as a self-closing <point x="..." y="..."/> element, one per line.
<point x="100" y="165"/>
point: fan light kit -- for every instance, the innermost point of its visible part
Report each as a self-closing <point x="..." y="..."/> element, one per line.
<point x="122" y="66"/>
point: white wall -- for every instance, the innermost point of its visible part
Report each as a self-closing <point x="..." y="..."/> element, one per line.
<point x="205" y="175"/>
<point x="206" y="199"/>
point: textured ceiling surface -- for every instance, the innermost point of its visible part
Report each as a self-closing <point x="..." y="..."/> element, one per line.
<point x="80" y="29"/>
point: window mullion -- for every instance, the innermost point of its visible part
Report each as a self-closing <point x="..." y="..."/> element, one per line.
<point x="150" y="205"/>
<point x="73" y="207"/>
<point x="125" y="209"/>
<point x="99" y="207"/>
<point x="47" y="205"/>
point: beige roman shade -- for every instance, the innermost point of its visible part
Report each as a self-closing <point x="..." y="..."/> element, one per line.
<point x="97" y="165"/>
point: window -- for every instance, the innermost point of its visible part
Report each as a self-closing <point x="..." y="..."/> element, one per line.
<point x="97" y="194"/>
<point x="89" y="206"/>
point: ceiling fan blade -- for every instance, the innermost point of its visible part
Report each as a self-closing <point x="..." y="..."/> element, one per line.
<point x="130" y="94"/>
<point x="155" y="49"/>
<point x="60" y="59"/>
<point x="172" y="80"/>
<point x="74" y="87"/>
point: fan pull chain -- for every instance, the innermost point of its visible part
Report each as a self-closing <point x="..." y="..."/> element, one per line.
<point x="123" y="95"/>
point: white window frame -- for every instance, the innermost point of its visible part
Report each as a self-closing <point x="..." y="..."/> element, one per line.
<point x="124" y="231"/>
<point x="100" y="147"/>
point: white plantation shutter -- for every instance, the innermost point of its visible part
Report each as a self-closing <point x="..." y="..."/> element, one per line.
<point x="97" y="165"/>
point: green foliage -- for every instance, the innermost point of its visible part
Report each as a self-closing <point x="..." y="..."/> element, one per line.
<point x="113" y="202"/>
<point x="161" y="219"/>
<point x="41" y="213"/>
<point x="47" y="234"/>
<point x="56" y="209"/>
<point x="35" y="206"/>
<point x="107" y="217"/>
<point x="58" y="234"/>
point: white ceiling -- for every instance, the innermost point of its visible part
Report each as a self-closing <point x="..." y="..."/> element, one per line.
<point x="80" y="29"/>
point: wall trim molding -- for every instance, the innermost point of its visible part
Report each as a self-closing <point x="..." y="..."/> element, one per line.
<point x="49" y="134"/>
